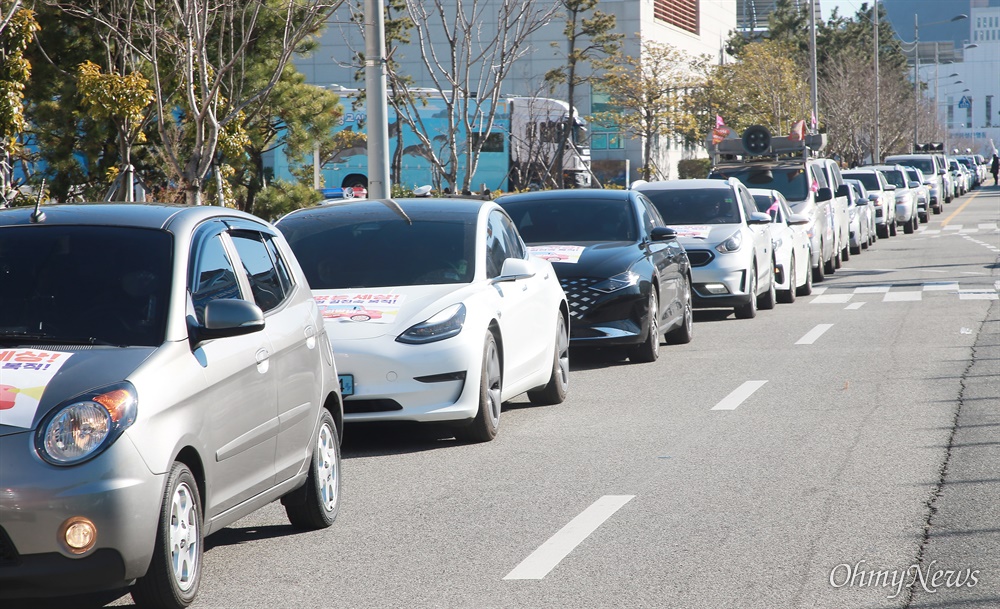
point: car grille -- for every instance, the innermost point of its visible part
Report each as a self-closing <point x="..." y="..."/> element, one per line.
<point x="579" y="295"/>
<point x="8" y="553"/>
<point x="700" y="257"/>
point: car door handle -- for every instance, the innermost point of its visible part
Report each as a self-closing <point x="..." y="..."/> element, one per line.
<point x="262" y="356"/>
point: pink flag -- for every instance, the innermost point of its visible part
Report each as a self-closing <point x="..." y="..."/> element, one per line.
<point x="719" y="122"/>
<point x="812" y="119"/>
<point x="798" y="131"/>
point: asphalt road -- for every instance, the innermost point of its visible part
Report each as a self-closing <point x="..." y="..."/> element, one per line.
<point x="838" y="452"/>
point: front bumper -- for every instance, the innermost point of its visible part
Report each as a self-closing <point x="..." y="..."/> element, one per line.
<point x="600" y="319"/>
<point x="115" y="490"/>
<point x="722" y="281"/>
<point x="398" y="382"/>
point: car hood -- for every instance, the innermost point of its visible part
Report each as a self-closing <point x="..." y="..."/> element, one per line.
<point x="697" y="236"/>
<point x="588" y="259"/>
<point x="27" y="395"/>
<point x="372" y="312"/>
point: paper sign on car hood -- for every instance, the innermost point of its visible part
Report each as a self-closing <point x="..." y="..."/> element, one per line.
<point x="694" y="231"/>
<point x="568" y="254"/>
<point x="358" y="314"/>
<point x="24" y="374"/>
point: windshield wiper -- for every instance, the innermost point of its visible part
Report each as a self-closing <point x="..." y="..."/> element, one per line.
<point x="14" y="337"/>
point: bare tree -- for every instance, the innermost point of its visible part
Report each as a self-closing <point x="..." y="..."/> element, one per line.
<point x="467" y="51"/>
<point x="195" y="52"/>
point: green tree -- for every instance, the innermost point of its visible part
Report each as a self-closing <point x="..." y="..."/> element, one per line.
<point x="646" y="94"/>
<point x="588" y="39"/>
<point x="19" y="27"/>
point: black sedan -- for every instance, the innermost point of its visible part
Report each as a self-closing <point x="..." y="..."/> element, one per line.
<point x="627" y="279"/>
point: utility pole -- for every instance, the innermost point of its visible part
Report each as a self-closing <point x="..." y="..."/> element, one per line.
<point x="376" y="101"/>
<point x="916" y="80"/>
<point x="877" y="148"/>
<point x="812" y="54"/>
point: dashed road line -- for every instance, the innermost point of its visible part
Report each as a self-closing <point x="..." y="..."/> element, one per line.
<point x="538" y="564"/>
<point x="739" y="395"/>
<point x="814" y="334"/>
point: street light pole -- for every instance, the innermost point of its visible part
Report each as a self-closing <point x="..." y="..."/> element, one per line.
<point x="916" y="80"/>
<point x="877" y="148"/>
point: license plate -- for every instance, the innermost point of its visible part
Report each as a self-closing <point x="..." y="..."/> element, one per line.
<point x="346" y="384"/>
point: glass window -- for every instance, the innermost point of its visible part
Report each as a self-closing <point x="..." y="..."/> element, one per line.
<point x="284" y="276"/>
<point x="264" y="282"/>
<point x="497" y="246"/>
<point x="789" y="181"/>
<point x="572" y="220"/>
<point x="599" y="141"/>
<point x="615" y="141"/>
<point x="650" y="217"/>
<point x="680" y="206"/>
<point x="515" y="247"/>
<point x="213" y="276"/>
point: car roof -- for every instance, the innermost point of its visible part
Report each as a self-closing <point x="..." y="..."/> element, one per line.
<point x="685" y="184"/>
<point x="139" y="215"/>
<point x="415" y="208"/>
<point x="575" y="194"/>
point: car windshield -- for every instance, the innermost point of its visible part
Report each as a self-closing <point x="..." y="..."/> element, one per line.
<point x="343" y="249"/>
<point x="870" y="180"/>
<point x="924" y="165"/>
<point x="557" y="220"/>
<point x="913" y="174"/>
<point x="789" y="181"/>
<point x="72" y="285"/>
<point x="894" y="176"/>
<point x="695" y="205"/>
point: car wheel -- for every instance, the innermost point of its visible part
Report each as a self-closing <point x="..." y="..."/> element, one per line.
<point x="937" y="209"/>
<point x="788" y="296"/>
<point x="837" y="261"/>
<point x="649" y="349"/>
<point x="845" y="254"/>
<point x="683" y="334"/>
<point x="924" y="218"/>
<point x="818" y="272"/>
<point x="829" y="267"/>
<point x="487" y="422"/>
<point x="908" y="227"/>
<point x="768" y="298"/>
<point x="315" y="505"/>
<point x="882" y="231"/>
<point x="749" y="310"/>
<point x="555" y="391"/>
<point x="174" y="573"/>
<point x="892" y="229"/>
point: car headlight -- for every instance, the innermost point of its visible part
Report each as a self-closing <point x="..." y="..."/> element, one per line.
<point x="85" y="426"/>
<point x="443" y="325"/>
<point x="616" y="282"/>
<point x="732" y="244"/>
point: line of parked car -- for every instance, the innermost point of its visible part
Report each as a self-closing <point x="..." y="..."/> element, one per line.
<point x="165" y="371"/>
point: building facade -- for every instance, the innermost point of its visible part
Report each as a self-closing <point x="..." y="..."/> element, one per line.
<point x="697" y="27"/>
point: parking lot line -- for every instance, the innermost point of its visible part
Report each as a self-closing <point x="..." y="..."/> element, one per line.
<point x="813" y="334"/>
<point x="741" y="393"/>
<point x="538" y="564"/>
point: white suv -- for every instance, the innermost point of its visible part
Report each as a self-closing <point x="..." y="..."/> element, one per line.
<point x="906" y="197"/>
<point x="933" y="171"/>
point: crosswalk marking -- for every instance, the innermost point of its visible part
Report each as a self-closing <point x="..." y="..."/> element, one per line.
<point x="902" y="296"/>
<point x="904" y="293"/>
<point x="832" y="298"/>
<point x="937" y="286"/>
<point x="872" y="289"/>
<point x="978" y="295"/>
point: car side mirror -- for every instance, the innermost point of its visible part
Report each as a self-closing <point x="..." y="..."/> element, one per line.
<point x="228" y="317"/>
<point x="843" y="190"/>
<point x="514" y="269"/>
<point x="890" y="187"/>
<point x="662" y="233"/>
<point x="941" y="172"/>
<point x="759" y="218"/>
<point x="824" y="194"/>
<point x="914" y="184"/>
<point x="873" y="197"/>
<point x="797" y="219"/>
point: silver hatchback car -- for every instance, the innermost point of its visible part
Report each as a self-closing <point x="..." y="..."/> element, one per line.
<point x="164" y="371"/>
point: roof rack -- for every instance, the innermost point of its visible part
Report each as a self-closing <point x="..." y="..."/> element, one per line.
<point x="757" y="144"/>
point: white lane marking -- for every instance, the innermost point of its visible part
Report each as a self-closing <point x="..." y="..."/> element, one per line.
<point x="854" y="306"/>
<point x="741" y="393"/>
<point x="932" y="231"/>
<point x="813" y="334"/>
<point x="817" y="291"/>
<point x="988" y="226"/>
<point x="941" y="286"/>
<point x="872" y="289"/>
<point x="978" y="295"/>
<point x="955" y="227"/>
<point x="966" y="231"/>
<point x="902" y="296"/>
<point x="831" y="299"/>
<point x="538" y="564"/>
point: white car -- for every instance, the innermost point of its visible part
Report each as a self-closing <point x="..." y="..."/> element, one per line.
<point x="906" y="197"/>
<point x="436" y="310"/>
<point x="728" y="241"/>
<point x="876" y="183"/>
<point x="862" y="213"/>
<point x="792" y="248"/>
<point x="918" y="184"/>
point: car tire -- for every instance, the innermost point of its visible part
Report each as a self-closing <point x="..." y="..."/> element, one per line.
<point x="856" y="251"/>
<point x="682" y="334"/>
<point x="924" y="218"/>
<point x="487" y="422"/>
<point x="837" y="261"/>
<point x="908" y="228"/>
<point x="892" y="229"/>
<point x="788" y="296"/>
<point x="770" y="297"/>
<point x="554" y="392"/>
<point x="174" y="573"/>
<point x="649" y="350"/>
<point x="749" y="310"/>
<point x="845" y="254"/>
<point x="316" y="504"/>
<point x="882" y="231"/>
<point x="829" y="267"/>
<point x="818" y="271"/>
<point x="937" y="209"/>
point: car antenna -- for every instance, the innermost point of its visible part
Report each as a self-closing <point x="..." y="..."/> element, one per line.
<point x="38" y="215"/>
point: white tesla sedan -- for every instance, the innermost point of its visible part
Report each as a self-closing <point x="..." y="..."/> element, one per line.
<point x="436" y="311"/>
<point x="792" y="247"/>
